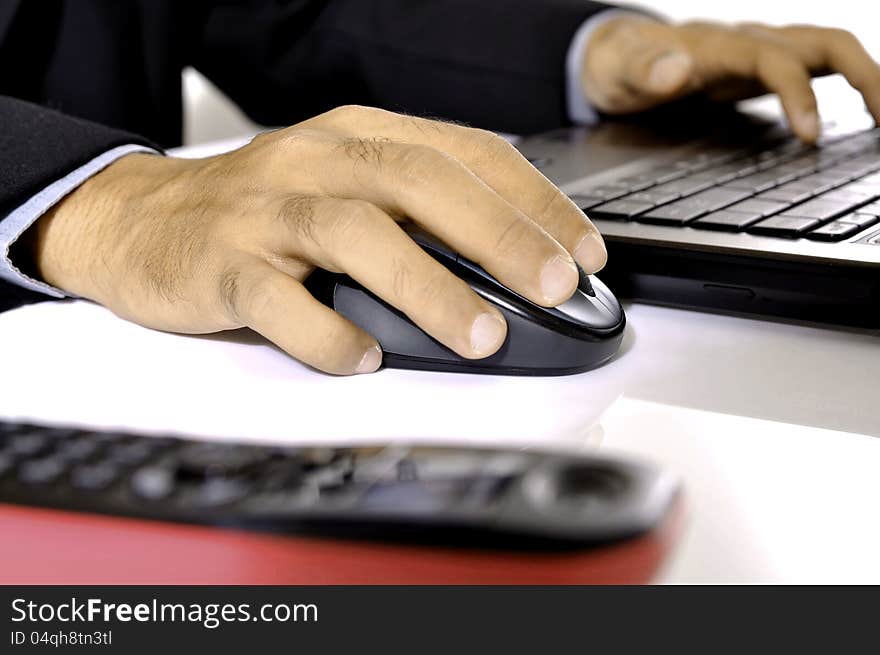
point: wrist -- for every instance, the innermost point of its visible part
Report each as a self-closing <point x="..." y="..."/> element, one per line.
<point x="77" y="244"/>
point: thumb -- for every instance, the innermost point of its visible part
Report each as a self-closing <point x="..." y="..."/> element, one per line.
<point x="637" y="64"/>
<point x="665" y="74"/>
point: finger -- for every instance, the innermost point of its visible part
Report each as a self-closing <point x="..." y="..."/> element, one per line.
<point x="363" y="241"/>
<point x="843" y="53"/>
<point x="501" y="166"/>
<point x="747" y="55"/>
<point x="635" y="64"/>
<point x="438" y="192"/>
<point x="274" y="304"/>
<point x="785" y="75"/>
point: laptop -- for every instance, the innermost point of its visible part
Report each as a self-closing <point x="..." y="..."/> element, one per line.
<point x="721" y="209"/>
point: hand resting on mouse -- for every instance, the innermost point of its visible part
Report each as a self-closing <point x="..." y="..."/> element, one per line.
<point x="204" y="245"/>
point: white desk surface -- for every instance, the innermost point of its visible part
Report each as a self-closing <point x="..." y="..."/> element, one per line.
<point x="773" y="427"/>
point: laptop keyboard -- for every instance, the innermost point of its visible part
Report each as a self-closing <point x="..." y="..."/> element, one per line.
<point x="779" y="188"/>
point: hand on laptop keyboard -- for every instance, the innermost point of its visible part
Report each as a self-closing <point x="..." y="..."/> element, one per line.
<point x="634" y="63"/>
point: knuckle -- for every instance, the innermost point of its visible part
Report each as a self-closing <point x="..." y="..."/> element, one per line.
<point x="400" y="277"/>
<point x="490" y="147"/>
<point x="433" y="291"/>
<point x="369" y="151"/>
<point x="842" y="37"/>
<point x="298" y="215"/>
<point x="512" y="238"/>
<point x="229" y="289"/>
<point x="552" y="204"/>
<point x="350" y="113"/>
<point x="419" y="165"/>
<point x="351" y="223"/>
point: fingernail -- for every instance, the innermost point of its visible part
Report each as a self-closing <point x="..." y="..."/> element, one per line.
<point x="807" y="125"/>
<point x="487" y="334"/>
<point x="591" y="253"/>
<point x="669" y="71"/>
<point x="559" y="279"/>
<point x="371" y="360"/>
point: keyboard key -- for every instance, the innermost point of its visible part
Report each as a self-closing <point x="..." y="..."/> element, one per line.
<point x="620" y="209"/>
<point x="791" y="193"/>
<point x="713" y="199"/>
<point x="726" y="219"/>
<point x="687" y="209"/>
<point x="871" y="189"/>
<point x="834" y="231"/>
<point x="861" y="219"/>
<point x="636" y="182"/>
<point x="731" y="171"/>
<point x="653" y="197"/>
<point x="686" y="186"/>
<point x="94" y="477"/>
<point x="784" y="226"/>
<point x="153" y="483"/>
<point x="847" y="195"/>
<point x="222" y="491"/>
<point x="78" y="449"/>
<point x="28" y="444"/>
<point x="758" y="182"/>
<point x="822" y="208"/>
<point x="872" y="209"/>
<point x="672" y="214"/>
<point x="817" y="184"/>
<point x="41" y="471"/>
<point x="759" y="206"/>
<point x="586" y="202"/>
<point x="666" y="174"/>
<point x="6" y="464"/>
<point x="605" y="191"/>
<point x="132" y="453"/>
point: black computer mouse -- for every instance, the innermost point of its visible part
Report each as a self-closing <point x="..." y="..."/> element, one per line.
<point x="582" y="333"/>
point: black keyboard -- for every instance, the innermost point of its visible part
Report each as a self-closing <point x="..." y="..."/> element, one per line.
<point x="510" y="499"/>
<point x="779" y="188"/>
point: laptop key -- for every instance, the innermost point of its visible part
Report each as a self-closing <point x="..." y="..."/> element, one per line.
<point x="726" y="219"/>
<point x="788" y="193"/>
<point x="784" y="226"/>
<point x="861" y="219"/>
<point x="586" y="202"/>
<point x="758" y="182"/>
<point x="605" y="191"/>
<point x="759" y="206"/>
<point x="823" y="209"/>
<point x="653" y="197"/>
<point x="686" y="186"/>
<point x="717" y="198"/>
<point x="620" y="209"/>
<point x="672" y="214"/>
<point x="834" y="231"/>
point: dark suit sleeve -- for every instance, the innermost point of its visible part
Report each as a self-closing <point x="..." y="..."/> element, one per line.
<point x="37" y="147"/>
<point x="498" y="64"/>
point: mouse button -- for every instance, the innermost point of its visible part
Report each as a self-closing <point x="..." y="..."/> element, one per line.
<point x="585" y="282"/>
<point x="604" y="295"/>
<point x="586" y="310"/>
<point x="430" y="243"/>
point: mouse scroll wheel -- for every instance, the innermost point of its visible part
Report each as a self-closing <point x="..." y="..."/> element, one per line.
<point x="584" y="283"/>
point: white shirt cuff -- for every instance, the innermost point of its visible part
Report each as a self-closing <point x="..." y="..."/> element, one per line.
<point x="580" y="111"/>
<point x="21" y="218"/>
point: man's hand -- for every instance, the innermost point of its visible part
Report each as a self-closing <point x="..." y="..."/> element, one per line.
<point x="635" y="63"/>
<point x="204" y="245"/>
